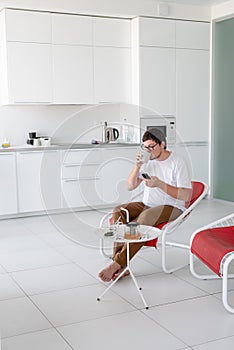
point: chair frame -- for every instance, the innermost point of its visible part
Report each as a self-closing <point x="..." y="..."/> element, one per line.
<point x="165" y="231"/>
<point x="224" y="265"/>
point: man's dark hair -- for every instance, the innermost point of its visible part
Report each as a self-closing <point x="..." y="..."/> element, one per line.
<point x="155" y="135"/>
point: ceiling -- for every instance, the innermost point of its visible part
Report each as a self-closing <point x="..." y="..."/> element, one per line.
<point x="195" y="2"/>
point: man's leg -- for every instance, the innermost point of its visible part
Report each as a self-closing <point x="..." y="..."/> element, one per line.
<point x="149" y="217"/>
<point x="134" y="209"/>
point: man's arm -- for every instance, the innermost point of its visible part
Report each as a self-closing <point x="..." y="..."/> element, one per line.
<point x="175" y="192"/>
<point x="133" y="180"/>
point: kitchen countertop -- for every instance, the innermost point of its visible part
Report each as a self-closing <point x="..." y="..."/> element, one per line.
<point x="61" y="146"/>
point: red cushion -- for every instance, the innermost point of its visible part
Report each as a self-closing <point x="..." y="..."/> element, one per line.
<point x="153" y="242"/>
<point x="211" y="245"/>
<point x="197" y="190"/>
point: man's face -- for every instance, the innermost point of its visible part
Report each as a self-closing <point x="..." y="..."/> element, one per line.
<point x="154" y="148"/>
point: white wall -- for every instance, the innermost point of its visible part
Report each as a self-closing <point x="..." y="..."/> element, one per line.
<point x="223" y="11"/>
<point x="122" y="8"/>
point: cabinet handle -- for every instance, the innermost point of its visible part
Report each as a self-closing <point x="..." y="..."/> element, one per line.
<point x="33" y="102"/>
<point x="37" y="151"/>
<point x="6" y="154"/>
<point x="79" y="164"/>
<point x="83" y="178"/>
<point x="89" y="178"/>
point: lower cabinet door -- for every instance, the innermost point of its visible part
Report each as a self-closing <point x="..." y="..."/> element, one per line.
<point x="38" y="180"/>
<point x="116" y="166"/>
<point x="8" y="203"/>
<point x="77" y="193"/>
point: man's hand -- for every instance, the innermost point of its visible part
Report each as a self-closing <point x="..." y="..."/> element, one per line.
<point x="139" y="160"/>
<point x="175" y="192"/>
<point x="154" y="181"/>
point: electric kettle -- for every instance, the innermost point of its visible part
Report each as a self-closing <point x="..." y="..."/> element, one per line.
<point x="112" y="134"/>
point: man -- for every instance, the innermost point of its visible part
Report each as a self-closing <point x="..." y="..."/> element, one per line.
<point x="165" y="194"/>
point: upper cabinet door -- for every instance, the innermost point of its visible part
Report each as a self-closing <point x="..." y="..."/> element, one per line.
<point x="112" y="60"/>
<point x="192" y="94"/>
<point x="112" y="74"/>
<point x="192" y="35"/>
<point x="111" y="32"/>
<point x="156" y="32"/>
<point x="157" y="79"/>
<point x="73" y="74"/>
<point x="72" y="29"/>
<point x="28" y="26"/>
<point x="29" y="73"/>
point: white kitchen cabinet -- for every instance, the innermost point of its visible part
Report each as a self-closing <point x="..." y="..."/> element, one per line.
<point x="171" y="73"/>
<point x="157" y="80"/>
<point x="73" y="74"/>
<point x="81" y="184"/>
<point x="113" y="32"/>
<point x="8" y="203"/>
<point x="192" y="35"/>
<point x="196" y="155"/>
<point x="25" y="53"/>
<point x="192" y="95"/>
<point x="38" y="176"/>
<point x="72" y="39"/>
<point x="112" y="74"/>
<point x="62" y="59"/>
<point x="116" y="166"/>
<point x="72" y="29"/>
<point x="112" y="60"/>
<point x="29" y="73"/>
<point x="155" y="32"/>
<point x="153" y="64"/>
<point x="27" y="26"/>
<point x="80" y="193"/>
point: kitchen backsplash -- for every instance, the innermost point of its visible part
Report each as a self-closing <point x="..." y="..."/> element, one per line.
<point x="64" y="123"/>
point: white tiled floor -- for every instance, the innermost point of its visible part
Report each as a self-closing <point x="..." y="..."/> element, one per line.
<point x="49" y="286"/>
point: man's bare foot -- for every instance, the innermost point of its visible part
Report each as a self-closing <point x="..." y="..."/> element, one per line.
<point x="116" y="275"/>
<point x="107" y="273"/>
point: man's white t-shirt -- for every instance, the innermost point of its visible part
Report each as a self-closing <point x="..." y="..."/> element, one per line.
<point x="172" y="171"/>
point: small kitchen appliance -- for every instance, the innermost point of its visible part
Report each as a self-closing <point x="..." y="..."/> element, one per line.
<point x="109" y="134"/>
<point x="167" y="124"/>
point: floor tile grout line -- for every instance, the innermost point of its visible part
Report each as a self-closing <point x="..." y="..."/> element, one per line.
<point x="28" y="332"/>
<point x="214" y="340"/>
<point x="203" y="290"/>
<point x="50" y="291"/>
<point x="163" y="327"/>
<point x="96" y="318"/>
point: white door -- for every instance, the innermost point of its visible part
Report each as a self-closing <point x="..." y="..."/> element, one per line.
<point x="72" y="29"/>
<point x="112" y="32"/>
<point x="116" y="166"/>
<point x="192" y="95"/>
<point x="8" y="203"/>
<point x="82" y="192"/>
<point x="73" y="74"/>
<point x="28" y="26"/>
<point x="39" y="186"/>
<point x="157" y="79"/>
<point x="112" y="74"/>
<point x="30" y="72"/>
<point x="197" y="157"/>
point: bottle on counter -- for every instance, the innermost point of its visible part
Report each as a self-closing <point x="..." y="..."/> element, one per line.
<point x="6" y="143"/>
<point x="104" y="136"/>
